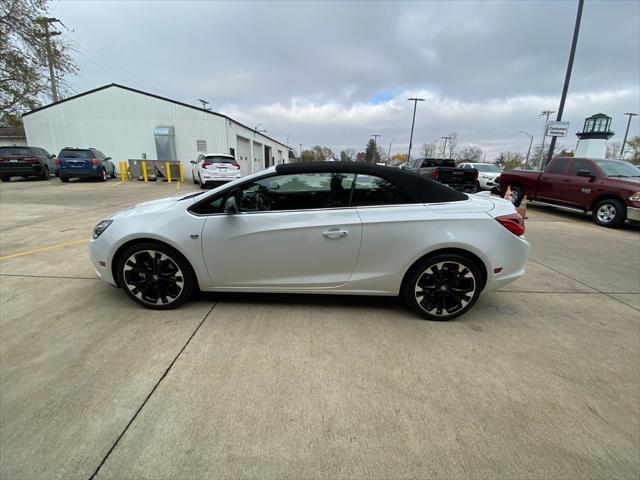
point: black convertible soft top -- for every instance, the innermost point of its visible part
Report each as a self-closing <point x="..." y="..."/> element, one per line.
<point x="420" y="188"/>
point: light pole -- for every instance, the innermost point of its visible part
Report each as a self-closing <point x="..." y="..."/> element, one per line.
<point x="444" y="147"/>
<point x="567" y="77"/>
<point x="530" y="142"/>
<point x="389" y="153"/>
<point x="624" y="142"/>
<point x="415" y="104"/>
<point x="545" y="113"/>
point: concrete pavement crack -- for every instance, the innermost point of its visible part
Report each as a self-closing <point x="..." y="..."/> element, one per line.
<point x="155" y="387"/>
<point x="583" y="283"/>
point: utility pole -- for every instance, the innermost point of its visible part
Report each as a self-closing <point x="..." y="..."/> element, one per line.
<point x="530" y="142"/>
<point x="300" y="152"/>
<point x="545" y="114"/>
<point x="626" y="133"/>
<point x="204" y="104"/>
<point x="45" y="21"/>
<point x="444" y="147"/>
<point x="389" y="153"/>
<point x="567" y="77"/>
<point x="375" y="138"/>
<point x="415" y="104"/>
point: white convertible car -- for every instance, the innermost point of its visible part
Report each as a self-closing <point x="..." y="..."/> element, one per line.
<point x="333" y="228"/>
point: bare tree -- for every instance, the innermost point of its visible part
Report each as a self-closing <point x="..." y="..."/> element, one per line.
<point x="347" y="155"/>
<point x="509" y="160"/>
<point x="613" y="149"/>
<point x="634" y="148"/>
<point x="469" y="153"/>
<point x="452" y="143"/>
<point x="429" y="150"/>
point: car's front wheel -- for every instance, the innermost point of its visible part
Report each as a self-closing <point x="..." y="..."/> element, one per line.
<point x="155" y="275"/>
<point x="5" y="178"/>
<point x="610" y="212"/>
<point x="442" y="287"/>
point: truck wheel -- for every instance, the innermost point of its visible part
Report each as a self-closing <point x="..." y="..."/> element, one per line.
<point x="517" y="194"/>
<point x="610" y="212"/>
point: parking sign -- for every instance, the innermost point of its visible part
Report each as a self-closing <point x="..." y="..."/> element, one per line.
<point x="557" y="129"/>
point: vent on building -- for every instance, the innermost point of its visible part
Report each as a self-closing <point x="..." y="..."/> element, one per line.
<point x="201" y="146"/>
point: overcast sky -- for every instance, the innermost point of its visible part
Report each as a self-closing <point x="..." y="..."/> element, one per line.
<point x="333" y="73"/>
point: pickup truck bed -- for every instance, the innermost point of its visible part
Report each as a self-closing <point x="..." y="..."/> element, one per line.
<point x="444" y="171"/>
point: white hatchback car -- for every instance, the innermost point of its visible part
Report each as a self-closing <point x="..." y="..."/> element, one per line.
<point x="487" y="174"/>
<point x="214" y="168"/>
<point x="333" y="228"/>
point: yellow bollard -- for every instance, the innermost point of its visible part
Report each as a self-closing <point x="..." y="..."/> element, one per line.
<point x="168" y="169"/>
<point x="144" y="171"/>
<point x="181" y="173"/>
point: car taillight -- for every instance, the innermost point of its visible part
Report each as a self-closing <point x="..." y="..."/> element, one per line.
<point x="237" y="167"/>
<point x="94" y="161"/>
<point x="475" y="177"/>
<point x="436" y="174"/>
<point x="30" y="160"/>
<point x="204" y="165"/>
<point x="512" y="222"/>
<point x="58" y="161"/>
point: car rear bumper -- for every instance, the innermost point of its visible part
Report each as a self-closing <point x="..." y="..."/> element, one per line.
<point x="69" y="173"/>
<point x="633" y="214"/>
<point x="7" y="169"/>
<point x="215" y="178"/>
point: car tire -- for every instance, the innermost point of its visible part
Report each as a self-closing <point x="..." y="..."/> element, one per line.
<point x="195" y="182"/>
<point x="517" y="194"/>
<point x="155" y="275"/>
<point x="103" y="177"/>
<point x="45" y="173"/>
<point x="63" y="179"/>
<point x="442" y="287"/>
<point x="113" y="173"/>
<point x="203" y="185"/>
<point x="609" y="212"/>
<point x="5" y="178"/>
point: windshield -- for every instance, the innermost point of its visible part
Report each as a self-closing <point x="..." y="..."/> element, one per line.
<point x="486" y="167"/>
<point x="14" y="152"/>
<point x="76" y="153"/>
<point x="211" y="160"/>
<point x="618" y="168"/>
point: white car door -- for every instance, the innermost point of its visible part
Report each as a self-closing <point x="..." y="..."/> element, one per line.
<point x="292" y="232"/>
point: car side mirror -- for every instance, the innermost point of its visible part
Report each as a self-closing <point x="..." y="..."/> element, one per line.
<point x="230" y="206"/>
<point x="192" y="162"/>
<point x="53" y="155"/>
<point x="108" y="158"/>
<point x="585" y="173"/>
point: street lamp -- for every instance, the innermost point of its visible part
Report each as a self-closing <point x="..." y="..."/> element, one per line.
<point x="530" y="142"/>
<point x="444" y="148"/>
<point x="626" y="132"/>
<point x="415" y="104"/>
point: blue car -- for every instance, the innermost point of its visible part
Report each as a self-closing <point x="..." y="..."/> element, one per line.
<point x="84" y="163"/>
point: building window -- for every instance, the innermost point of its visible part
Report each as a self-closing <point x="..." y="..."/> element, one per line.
<point x="232" y="151"/>
<point x="201" y="146"/>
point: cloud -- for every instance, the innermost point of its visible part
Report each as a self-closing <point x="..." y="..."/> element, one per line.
<point x="335" y="72"/>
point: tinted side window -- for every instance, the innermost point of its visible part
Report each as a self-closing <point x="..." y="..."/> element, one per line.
<point x="371" y="190"/>
<point x="297" y="192"/>
<point x="213" y="205"/>
<point x="578" y="165"/>
<point x="559" y="165"/>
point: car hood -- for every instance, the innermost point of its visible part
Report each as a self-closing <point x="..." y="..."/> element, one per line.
<point x="489" y="174"/>
<point x="148" y="207"/>
<point x="627" y="182"/>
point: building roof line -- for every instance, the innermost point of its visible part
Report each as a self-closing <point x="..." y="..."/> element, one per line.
<point x="158" y="97"/>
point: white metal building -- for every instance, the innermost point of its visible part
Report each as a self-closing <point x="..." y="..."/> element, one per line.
<point x="125" y="123"/>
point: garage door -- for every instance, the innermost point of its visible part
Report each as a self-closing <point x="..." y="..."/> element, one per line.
<point x="243" y="155"/>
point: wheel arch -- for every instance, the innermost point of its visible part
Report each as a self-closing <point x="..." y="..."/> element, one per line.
<point x="477" y="261"/>
<point x="121" y="249"/>
<point x="605" y="196"/>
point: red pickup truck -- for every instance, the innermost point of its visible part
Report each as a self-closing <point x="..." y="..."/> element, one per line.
<point x="610" y="189"/>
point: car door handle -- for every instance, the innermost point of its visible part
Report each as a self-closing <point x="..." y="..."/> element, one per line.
<point x="335" y="233"/>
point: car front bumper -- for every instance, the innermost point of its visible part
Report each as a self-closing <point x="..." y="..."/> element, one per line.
<point x="633" y="214"/>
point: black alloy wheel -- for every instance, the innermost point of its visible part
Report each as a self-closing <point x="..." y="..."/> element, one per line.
<point x="443" y="287"/>
<point x="155" y="276"/>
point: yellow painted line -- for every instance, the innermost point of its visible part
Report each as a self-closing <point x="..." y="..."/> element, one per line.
<point x="116" y="184"/>
<point x="44" y="249"/>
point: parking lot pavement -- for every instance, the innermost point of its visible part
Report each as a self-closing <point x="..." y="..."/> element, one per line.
<point x="539" y="380"/>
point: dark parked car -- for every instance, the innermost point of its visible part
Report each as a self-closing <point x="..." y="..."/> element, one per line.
<point x="610" y="189"/>
<point x="84" y="163"/>
<point x="444" y="170"/>
<point x="21" y="161"/>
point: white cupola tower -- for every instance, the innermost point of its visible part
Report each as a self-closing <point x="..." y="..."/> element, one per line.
<point x="594" y="136"/>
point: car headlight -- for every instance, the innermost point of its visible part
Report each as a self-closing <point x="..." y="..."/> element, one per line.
<point x="635" y="197"/>
<point x="486" y="177"/>
<point x="101" y="227"/>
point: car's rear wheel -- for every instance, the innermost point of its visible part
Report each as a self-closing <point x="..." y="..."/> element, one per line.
<point x="195" y="182"/>
<point x="517" y="194"/>
<point x="45" y="173"/>
<point x="155" y="275"/>
<point x="442" y="287"/>
<point x="5" y="178"/>
<point x="63" y="179"/>
<point x="610" y="212"/>
<point x="103" y="175"/>
<point x="202" y="184"/>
